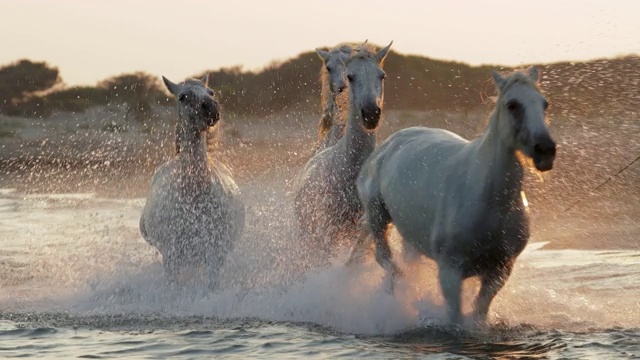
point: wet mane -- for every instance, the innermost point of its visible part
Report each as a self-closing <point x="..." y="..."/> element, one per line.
<point x="518" y="77"/>
<point x="367" y="52"/>
<point x="195" y="82"/>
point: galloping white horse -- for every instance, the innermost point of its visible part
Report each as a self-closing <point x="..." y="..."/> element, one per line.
<point x="326" y="201"/>
<point x="334" y="82"/>
<point x="193" y="214"/>
<point x="459" y="202"/>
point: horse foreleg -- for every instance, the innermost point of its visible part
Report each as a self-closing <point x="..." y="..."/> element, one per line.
<point x="379" y="219"/>
<point x="451" y="285"/>
<point x="360" y="250"/>
<point x="491" y="283"/>
<point x="410" y="254"/>
<point x="363" y="245"/>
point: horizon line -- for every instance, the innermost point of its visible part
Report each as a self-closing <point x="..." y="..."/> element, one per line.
<point x="261" y="68"/>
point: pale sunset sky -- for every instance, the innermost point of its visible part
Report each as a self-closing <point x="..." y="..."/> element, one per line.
<point x="90" y="40"/>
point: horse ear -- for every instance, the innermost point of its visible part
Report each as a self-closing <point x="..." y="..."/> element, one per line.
<point x="205" y="79"/>
<point x="533" y="73"/>
<point x="173" y="88"/>
<point x="364" y="43"/>
<point x="499" y="80"/>
<point x="324" y="55"/>
<point x="382" y="54"/>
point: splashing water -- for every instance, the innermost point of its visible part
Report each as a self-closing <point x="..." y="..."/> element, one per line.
<point x="78" y="260"/>
<point x="77" y="278"/>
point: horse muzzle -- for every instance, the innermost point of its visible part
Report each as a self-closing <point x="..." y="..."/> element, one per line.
<point x="212" y="112"/>
<point x="544" y="153"/>
<point x="371" y="117"/>
<point x="339" y="87"/>
<point x="213" y="119"/>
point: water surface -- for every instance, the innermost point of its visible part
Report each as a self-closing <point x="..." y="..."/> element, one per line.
<point x="78" y="281"/>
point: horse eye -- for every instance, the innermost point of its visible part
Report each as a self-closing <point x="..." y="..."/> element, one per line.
<point x="513" y="105"/>
<point x="210" y="92"/>
<point x="328" y="69"/>
<point x="182" y="97"/>
<point x="350" y="77"/>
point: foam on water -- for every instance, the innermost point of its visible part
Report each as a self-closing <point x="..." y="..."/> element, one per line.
<point x="83" y="255"/>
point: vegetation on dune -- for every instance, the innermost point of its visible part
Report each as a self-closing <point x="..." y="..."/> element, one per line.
<point x="22" y="80"/>
<point x="33" y="89"/>
<point x="138" y="90"/>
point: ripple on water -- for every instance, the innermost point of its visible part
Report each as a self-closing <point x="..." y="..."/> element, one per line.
<point x="256" y="339"/>
<point x="132" y="313"/>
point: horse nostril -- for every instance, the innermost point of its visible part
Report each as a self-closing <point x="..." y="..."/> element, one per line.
<point x="547" y="148"/>
<point x="371" y="113"/>
<point x="342" y="88"/>
<point x="209" y="105"/>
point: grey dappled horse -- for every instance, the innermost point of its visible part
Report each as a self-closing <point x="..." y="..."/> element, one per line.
<point x="193" y="214"/>
<point x="326" y="202"/>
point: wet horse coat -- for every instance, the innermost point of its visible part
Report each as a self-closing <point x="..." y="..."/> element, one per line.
<point x="459" y="202"/>
<point x="193" y="214"/>
<point x="326" y="202"/>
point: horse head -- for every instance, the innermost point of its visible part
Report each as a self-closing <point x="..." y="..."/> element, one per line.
<point x="366" y="83"/>
<point x="334" y="69"/>
<point x="521" y="110"/>
<point x="197" y="107"/>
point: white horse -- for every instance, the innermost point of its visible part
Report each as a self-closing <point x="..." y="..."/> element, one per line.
<point x="459" y="202"/>
<point x="193" y="214"/>
<point x="333" y="81"/>
<point x="326" y="201"/>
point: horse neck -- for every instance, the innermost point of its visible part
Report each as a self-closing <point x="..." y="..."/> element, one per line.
<point x="358" y="141"/>
<point x="502" y="172"/>
<point x="193" y="150"/>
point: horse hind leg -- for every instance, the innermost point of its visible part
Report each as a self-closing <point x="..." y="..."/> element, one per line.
<point x="379" y="218"/>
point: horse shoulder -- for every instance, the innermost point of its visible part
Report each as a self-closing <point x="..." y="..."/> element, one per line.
<point x="470" y="229"/>
<point x="316" y="170"/>
<point x="158" y="193"/>
<point x="163" y="173"/>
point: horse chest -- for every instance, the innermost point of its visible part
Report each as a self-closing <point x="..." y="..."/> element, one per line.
<point x="338" y="188"/>
<point x="187" y="200"/>
<point x="480" y="242"/>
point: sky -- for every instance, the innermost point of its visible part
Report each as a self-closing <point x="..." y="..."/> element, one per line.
<point x="90" y="40"/>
